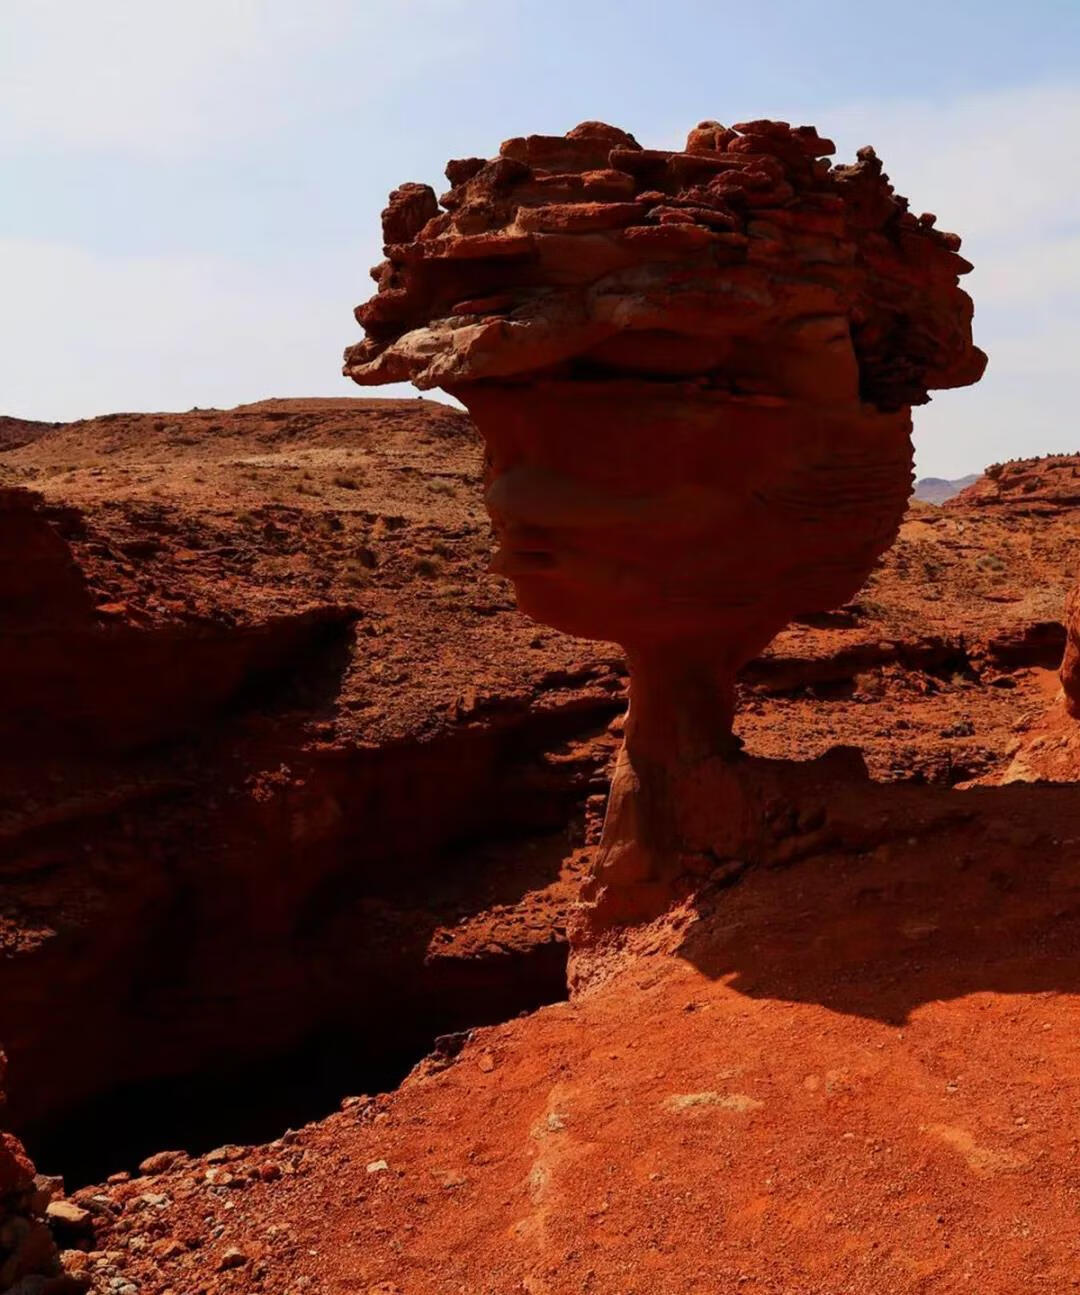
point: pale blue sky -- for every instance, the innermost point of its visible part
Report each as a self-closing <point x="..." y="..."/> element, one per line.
<point x="192" y="191"/>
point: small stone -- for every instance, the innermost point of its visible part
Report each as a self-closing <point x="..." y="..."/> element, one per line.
<point x="486" y="1062"/>
<point x="47" y="1187"/>
<point x="377" y="1166"/>
<point x="96" y="1203"/>
<point x="151" y="1200"/>
<point x="222" y="1155"/>
<point x="66" y="1215"/>
<point x="160" y="1161"/>
<point x="168" y="1248"/>
<point x="16" y="1171"/>
<point x="234" y="1257"/>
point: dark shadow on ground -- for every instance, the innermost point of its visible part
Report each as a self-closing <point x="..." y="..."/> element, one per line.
<point x="961" y="892"/>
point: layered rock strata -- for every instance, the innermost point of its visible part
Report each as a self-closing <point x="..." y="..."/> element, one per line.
<point x="694" y="372"/>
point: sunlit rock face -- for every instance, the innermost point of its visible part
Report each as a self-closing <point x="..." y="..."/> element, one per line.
<point x="694" y="373"/>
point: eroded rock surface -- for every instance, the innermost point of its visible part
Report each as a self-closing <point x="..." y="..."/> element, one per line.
<point x="29" y="1260"/>
<point x="1036" y="487"/>
<point x="694" y="373"/>
<point x="252" y="766"/>
<point x="1070" y="667"/>
<point x="591" y="252"/>
<point x="177" y="521"/>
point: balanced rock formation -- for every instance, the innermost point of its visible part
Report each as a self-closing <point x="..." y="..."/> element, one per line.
<point x="693" y="372"/>
<point x="1070" y="667"/>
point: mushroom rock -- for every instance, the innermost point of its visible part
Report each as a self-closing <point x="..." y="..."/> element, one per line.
<point x="1070" y="666"/>
<point x="693" y="372"/>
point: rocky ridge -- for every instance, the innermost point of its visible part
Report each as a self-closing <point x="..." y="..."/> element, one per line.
<point x="936" y="490"/>
<point x="1037" y="486"/>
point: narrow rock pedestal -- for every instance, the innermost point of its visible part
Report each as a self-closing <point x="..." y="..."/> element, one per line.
<point x="693" y="372"/>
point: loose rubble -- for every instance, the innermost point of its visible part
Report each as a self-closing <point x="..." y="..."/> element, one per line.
<point x="31" y="1219"/>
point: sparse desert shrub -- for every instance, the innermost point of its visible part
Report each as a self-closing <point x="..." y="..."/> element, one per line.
<point x="427" y="567"/>
<point x="355" y="573"/>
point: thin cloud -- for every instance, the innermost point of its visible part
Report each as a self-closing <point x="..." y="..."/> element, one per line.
<point x="198" y="78"/>
<point x="96" y="333"/>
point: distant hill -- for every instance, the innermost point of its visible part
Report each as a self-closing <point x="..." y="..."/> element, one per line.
<point x="16" y="432"/>
<point x="935" y="490"/>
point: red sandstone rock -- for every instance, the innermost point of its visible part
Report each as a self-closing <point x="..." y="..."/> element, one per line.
<point x="16" y="1171"/>
<point x="889" y="277"/>
<point x="410" y="208"/>
<point x="1039" y="487"/>
<point x="695" y="398"/>
<point x="27" y="1250"/>
<point x="1070" y="667"/>
<point x="858" y="910"/>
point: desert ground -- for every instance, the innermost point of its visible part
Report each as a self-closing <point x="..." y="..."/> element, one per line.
<point x="285" y="990"/>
